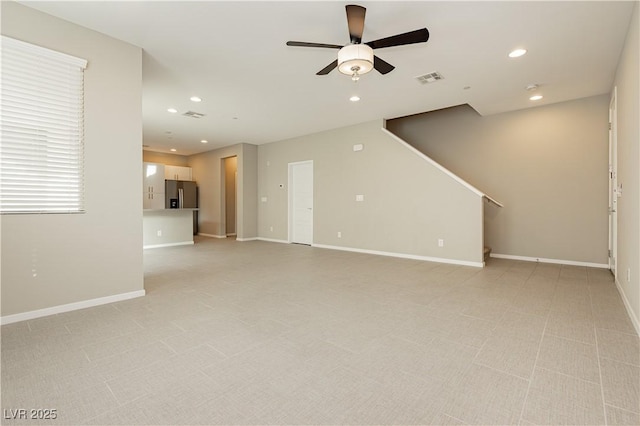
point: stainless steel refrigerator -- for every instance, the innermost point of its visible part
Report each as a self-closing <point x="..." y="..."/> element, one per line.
<point x="182" y="194"/>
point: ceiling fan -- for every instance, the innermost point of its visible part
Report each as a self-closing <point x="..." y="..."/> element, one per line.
<point x="357" y="58"/>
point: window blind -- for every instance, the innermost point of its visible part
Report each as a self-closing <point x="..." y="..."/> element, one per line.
<point x="42" y="129"/>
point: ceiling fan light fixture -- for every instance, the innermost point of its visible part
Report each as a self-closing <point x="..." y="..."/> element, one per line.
<point x="355" y="60"/>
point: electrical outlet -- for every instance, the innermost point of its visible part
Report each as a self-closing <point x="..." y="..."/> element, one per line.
<point x="339" y="234"/>
<point x="440" y="242"/>
<point x="271" y="228"/>
<point x="159" y="233"/>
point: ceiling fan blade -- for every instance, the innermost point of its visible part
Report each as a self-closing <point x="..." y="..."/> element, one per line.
<point x="326" y="70"/>
<point x="381" y="66"/>
<point x="355" y="20"/>
<point x="306" y="44"/>
<point x="417" y="36"/>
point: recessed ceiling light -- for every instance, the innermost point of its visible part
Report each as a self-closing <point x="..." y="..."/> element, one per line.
<point x="204" y="141"/>
<point x="173" y="150"/>
<point x="354" y="98"/>
<point x="535" y="98"/>
<point x="517" y="53"/>
<point x="195" y="99"/>
<point x="172" y="110"/>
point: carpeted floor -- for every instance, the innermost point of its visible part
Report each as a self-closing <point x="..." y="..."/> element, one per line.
<point x="265" y="333"/>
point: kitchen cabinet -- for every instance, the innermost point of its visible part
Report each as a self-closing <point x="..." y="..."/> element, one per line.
<point x="177" y="173"/>
<point x="153" y="200"/>
<point x="153" y="177"/>
<point x="153" y="186"/>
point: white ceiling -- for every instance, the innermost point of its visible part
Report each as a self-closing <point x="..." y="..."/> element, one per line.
<point x="256" y="90"/>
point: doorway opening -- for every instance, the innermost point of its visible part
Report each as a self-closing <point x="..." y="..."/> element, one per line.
<point x="229" y="189"/>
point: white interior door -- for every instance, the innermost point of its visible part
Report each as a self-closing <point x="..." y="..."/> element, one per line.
<point x="301" y="202"/>
<point x="613" y="182"/>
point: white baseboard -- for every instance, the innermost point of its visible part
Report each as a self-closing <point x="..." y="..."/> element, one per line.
<point x="403" y="256"/>
<point x="272" y="240"/>
<point x="242" y="239"/>
<point x="184" y="243"/>
<point x="211" y="235"/>
<point x="9" y="319"/>
<point x="545" y="260"/>
<point x="627" y="305"/>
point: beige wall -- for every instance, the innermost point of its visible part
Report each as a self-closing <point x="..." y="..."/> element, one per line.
<point x="164" y="158"/>
<point x="628" y="92"/>
<point x="208" y="170"/>
<point x="176" y="226"/>
<point x="547" y="165"/>
<point x="247" y="213"/>
<point x="51" y="260"/>
<point x="408" y="203"/>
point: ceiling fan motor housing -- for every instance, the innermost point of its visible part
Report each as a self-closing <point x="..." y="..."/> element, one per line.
<point x="355" y="59"/>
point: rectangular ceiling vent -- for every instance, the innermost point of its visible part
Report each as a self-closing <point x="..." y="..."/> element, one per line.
<point x="193" y="114"/>
<point x="431" y="77"/>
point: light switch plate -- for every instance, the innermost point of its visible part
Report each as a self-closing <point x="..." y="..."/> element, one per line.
<point x="359" y="197"/>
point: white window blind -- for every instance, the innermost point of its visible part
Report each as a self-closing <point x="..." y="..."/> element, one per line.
<point x="42" y="129"/>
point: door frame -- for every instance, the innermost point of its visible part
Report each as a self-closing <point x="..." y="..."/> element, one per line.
<point x="613" y="182"/>
<point x="290" y="198"/>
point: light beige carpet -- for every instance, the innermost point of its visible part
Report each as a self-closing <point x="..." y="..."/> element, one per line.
<point x="264" y="333"/>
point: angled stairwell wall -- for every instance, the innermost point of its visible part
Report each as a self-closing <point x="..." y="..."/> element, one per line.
<point x="548" y="165"/>
<point x="409" y="202"/>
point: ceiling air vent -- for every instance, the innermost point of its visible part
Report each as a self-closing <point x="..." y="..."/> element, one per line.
<point x="193" y="114"/>
<point x="431" y="77"/>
